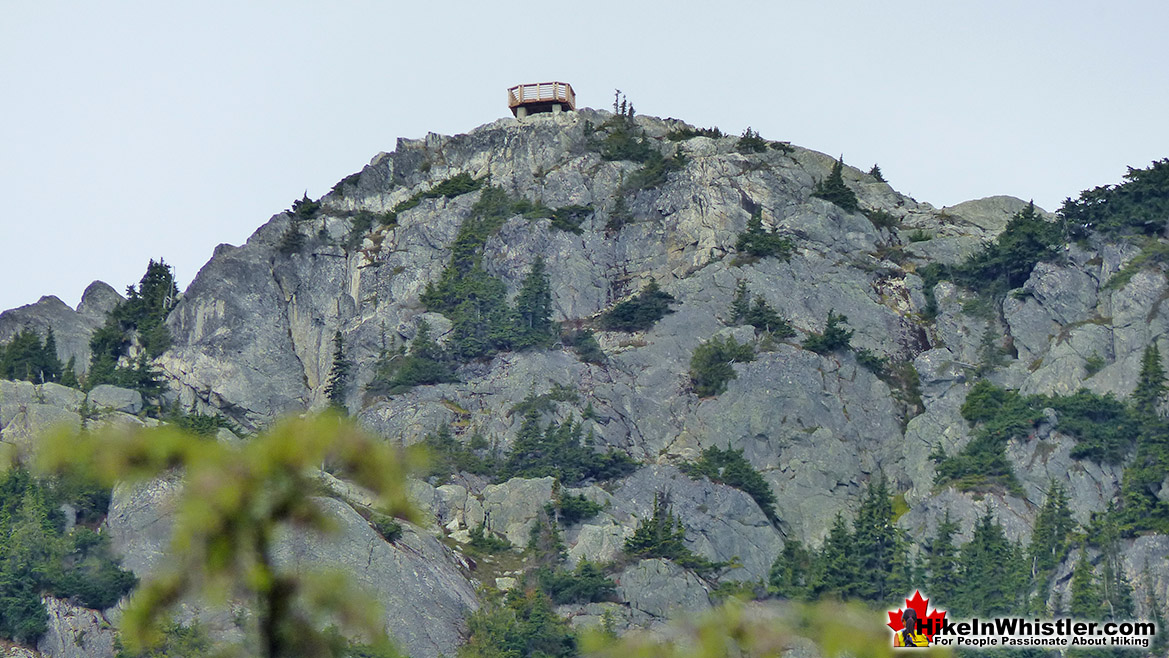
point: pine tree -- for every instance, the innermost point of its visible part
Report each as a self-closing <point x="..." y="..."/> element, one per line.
<point x="337" y="388"/>
<point x="833" y="189"/>
<point x="69" y="374"/>
<point x="740" y="303"/>
<point x="992" y="572"/>
<point x="835" y="571"/>
<point x="534" y="326"/>
<point x="1150" y="383"/>
<point x="942" y="563"/>
<point x="791" y="571"/>
<point x="875" y="172"/>
<point x="50" y="362"/>
<point x="1085" y="592"/>
<point x="1049" y="542"/>
<point x="875" y="543"/>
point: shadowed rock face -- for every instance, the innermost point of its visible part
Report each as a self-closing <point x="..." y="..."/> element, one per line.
<point x="416" y="580"/>
<point x="253" y="340"/>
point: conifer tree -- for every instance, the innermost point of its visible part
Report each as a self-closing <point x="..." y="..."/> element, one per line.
<point x="534" y="326"/>
<point x="69" y="374"/>
<point x="1150" y="383"/>
<point x="875" y="543"/>
<point x="833" y="188"/>
<point x="337" y="388"/>
<point x="942" y="563"/>
<point x="992" y="575"/>
<point x="1049" y="542"/>
<point x="790" y="571"/>
<point x="740" y="303"/>
<point x="836" y="571"/>
<point x="1085" y="592"/>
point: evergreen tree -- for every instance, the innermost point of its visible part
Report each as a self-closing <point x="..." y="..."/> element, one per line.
<point x="1150" y="383"/>
<point x="758" y="242"/>
<point x="790" y="571"/>
<point x="710" y="365"/>
<point x="50" y="363"/>
<point x="942" y="562"/>
<point x="1115" y="589"/>
<point x="875" y="172"/>
<point x="1085" y="592"/>
<point x="426" y="363"/>
<point x="661" y="535"/>
<point x="641" y="312"/>
<point x="534" y="326"/>
<point x="740" y="304"/>
<point x="69" y="374"/>
<point x="337" y="388"/>
<point x="833" y="188"/>
<point x="876" y="545"/>
<point x="836" y="571"/>
<point x="992" y="572"/>
<point x="835" y="336"/>
<point x="1049" y="542"/>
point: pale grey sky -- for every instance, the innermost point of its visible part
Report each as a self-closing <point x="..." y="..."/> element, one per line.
<point x="132" y="130"/>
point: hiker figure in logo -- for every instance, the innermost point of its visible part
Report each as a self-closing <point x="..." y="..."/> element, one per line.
<point x="908" y="636"/>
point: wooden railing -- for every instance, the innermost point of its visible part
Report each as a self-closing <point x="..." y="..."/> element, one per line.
<point x="541" y="92"/>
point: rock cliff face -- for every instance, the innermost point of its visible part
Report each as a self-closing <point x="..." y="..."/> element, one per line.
<point x="253" y="339"/>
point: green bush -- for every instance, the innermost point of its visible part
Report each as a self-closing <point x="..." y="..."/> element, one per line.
<point x="426" y="363"/>
<point x="304" y="208"/>
<point x="730" y="467"/>
<point x="751" y="142"/>
<point x="569" y="218"/>
<point x="387" y="527"/>
<point x="524" y="625"/>
<point x="585" y="584"/>
<point x="448" y="456"/>
<point x="585" y="344"/>
<point x="574" y="509"/>
<point x="686" y="132"/>
<point x="883" y="219"/>
<point x="484" y="543"/>
<point x="663" y="536"/>
<point x="37" y="557"/>
<point x="710" y="365"/>
<point x="654" y="172"/>
<point x="1138" y="205"/>
<point x="835" y="337"/>
<point x="758" y="314"/>
<point x="757" y="242"/>
<point x="624" y="140"/>
<point x="555" y="450"/>
<point x="641" y="312"/>
<point x="834" y="190"/>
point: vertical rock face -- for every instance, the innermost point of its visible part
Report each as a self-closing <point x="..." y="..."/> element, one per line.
<point x="75" y="632"/>
<point x="416" y="580"/>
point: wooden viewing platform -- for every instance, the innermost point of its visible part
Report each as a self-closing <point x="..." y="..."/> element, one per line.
<point x="540" y="97"/>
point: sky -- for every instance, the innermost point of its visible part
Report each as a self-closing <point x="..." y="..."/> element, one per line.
<point x="139" y="130"/>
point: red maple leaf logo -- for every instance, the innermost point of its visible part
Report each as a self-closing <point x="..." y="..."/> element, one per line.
<point x="929" y="623"/>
